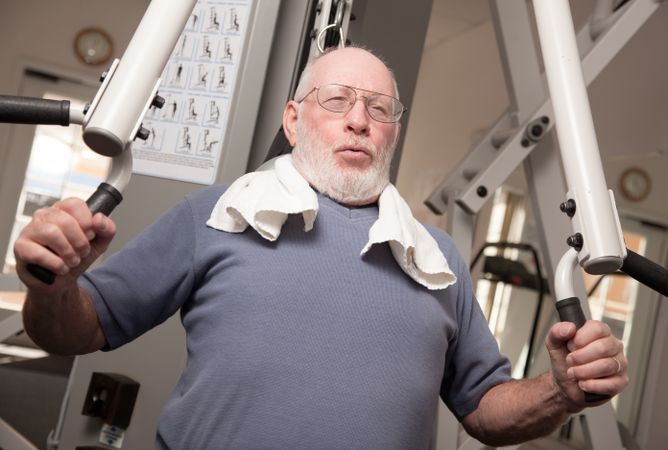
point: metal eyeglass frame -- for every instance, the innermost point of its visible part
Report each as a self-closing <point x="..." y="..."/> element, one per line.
<point x="402" y="110"/>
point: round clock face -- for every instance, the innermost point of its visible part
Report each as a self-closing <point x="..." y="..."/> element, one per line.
<point x="635" y="184"/>
<point x="93" y="46"/>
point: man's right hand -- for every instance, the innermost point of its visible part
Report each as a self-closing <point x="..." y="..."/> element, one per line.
<point x="64" y="238"/>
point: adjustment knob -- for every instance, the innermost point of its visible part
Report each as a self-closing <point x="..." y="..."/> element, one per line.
<point x="143" y="133"/>
<point x="158" y="102"/>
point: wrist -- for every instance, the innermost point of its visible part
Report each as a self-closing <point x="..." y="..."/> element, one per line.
<point x="561" y="396"/>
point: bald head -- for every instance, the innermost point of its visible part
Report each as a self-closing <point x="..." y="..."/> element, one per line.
<point x="337" y="65"/>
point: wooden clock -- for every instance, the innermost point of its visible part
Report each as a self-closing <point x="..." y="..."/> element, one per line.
<point x="635" y="184"/>
<point x="93" y="46"/>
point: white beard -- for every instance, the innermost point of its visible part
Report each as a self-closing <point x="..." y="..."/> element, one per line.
<point x="315" y="161"/>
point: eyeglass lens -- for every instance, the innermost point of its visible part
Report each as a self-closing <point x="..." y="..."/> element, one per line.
<point x="339" y="98"/>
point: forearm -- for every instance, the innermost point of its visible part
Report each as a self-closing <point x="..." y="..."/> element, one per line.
<point x="65" y="324"/>
<point x="517" y="411"/>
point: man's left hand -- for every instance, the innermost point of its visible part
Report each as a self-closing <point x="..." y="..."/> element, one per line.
<point x="590" y="360"/>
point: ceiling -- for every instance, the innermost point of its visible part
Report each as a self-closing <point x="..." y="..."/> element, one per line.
<point x="450" y="18"/>
<point x="633" y="82"/>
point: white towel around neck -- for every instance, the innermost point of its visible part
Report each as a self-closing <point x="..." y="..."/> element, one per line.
<point x="263" y="200"/>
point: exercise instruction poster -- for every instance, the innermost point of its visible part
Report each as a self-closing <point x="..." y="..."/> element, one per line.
<point x="187" y="133"/>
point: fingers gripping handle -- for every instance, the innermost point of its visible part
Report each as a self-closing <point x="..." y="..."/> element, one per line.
<point x="42" y="274"/>
<point x="569" y="310"/>
<point x="103" y="200"/>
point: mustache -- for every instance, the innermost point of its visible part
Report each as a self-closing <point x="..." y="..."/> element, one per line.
<point x="357" y="143"/>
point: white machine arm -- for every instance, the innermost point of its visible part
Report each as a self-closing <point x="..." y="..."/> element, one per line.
<point x="115" y="115"/>
<point x="597" y="232"/>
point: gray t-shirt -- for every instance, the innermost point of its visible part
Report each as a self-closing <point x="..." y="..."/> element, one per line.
<point x="299" y="343"/>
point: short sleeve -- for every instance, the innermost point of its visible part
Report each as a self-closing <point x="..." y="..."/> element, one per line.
<point x="474" y="363"/>
<point x="147" y="281"/>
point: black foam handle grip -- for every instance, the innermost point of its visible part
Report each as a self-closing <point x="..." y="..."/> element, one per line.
<point x="646" y="271"/>
<point x="570" y="310"/>
<point x="34" y="111"/>
<point x="103" y="200"/>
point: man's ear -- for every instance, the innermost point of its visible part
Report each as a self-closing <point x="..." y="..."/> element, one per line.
<point x="290" y="116"/>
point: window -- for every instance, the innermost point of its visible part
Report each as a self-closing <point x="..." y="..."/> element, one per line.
<point x="505" y="225"/>
<point x="612" y="297"/>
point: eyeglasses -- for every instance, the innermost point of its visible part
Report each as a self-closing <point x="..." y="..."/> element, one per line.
<point x="339" y="98"/>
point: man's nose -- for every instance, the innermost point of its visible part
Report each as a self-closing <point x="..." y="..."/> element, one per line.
<point x="357" y="119"/>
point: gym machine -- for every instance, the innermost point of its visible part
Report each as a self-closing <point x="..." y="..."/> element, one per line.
<point x="596" y="241"/>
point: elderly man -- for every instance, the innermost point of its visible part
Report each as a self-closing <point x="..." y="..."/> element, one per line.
<point x="295" y="339"/>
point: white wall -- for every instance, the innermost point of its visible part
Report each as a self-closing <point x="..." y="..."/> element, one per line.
<point x="44" y="31"/>
<point x="630" y="108"/>
<point x="460" y="92"/>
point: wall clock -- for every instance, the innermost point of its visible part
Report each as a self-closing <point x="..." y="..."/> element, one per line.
<point x="93" y="46"/>
<point x="635" y="184"/>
